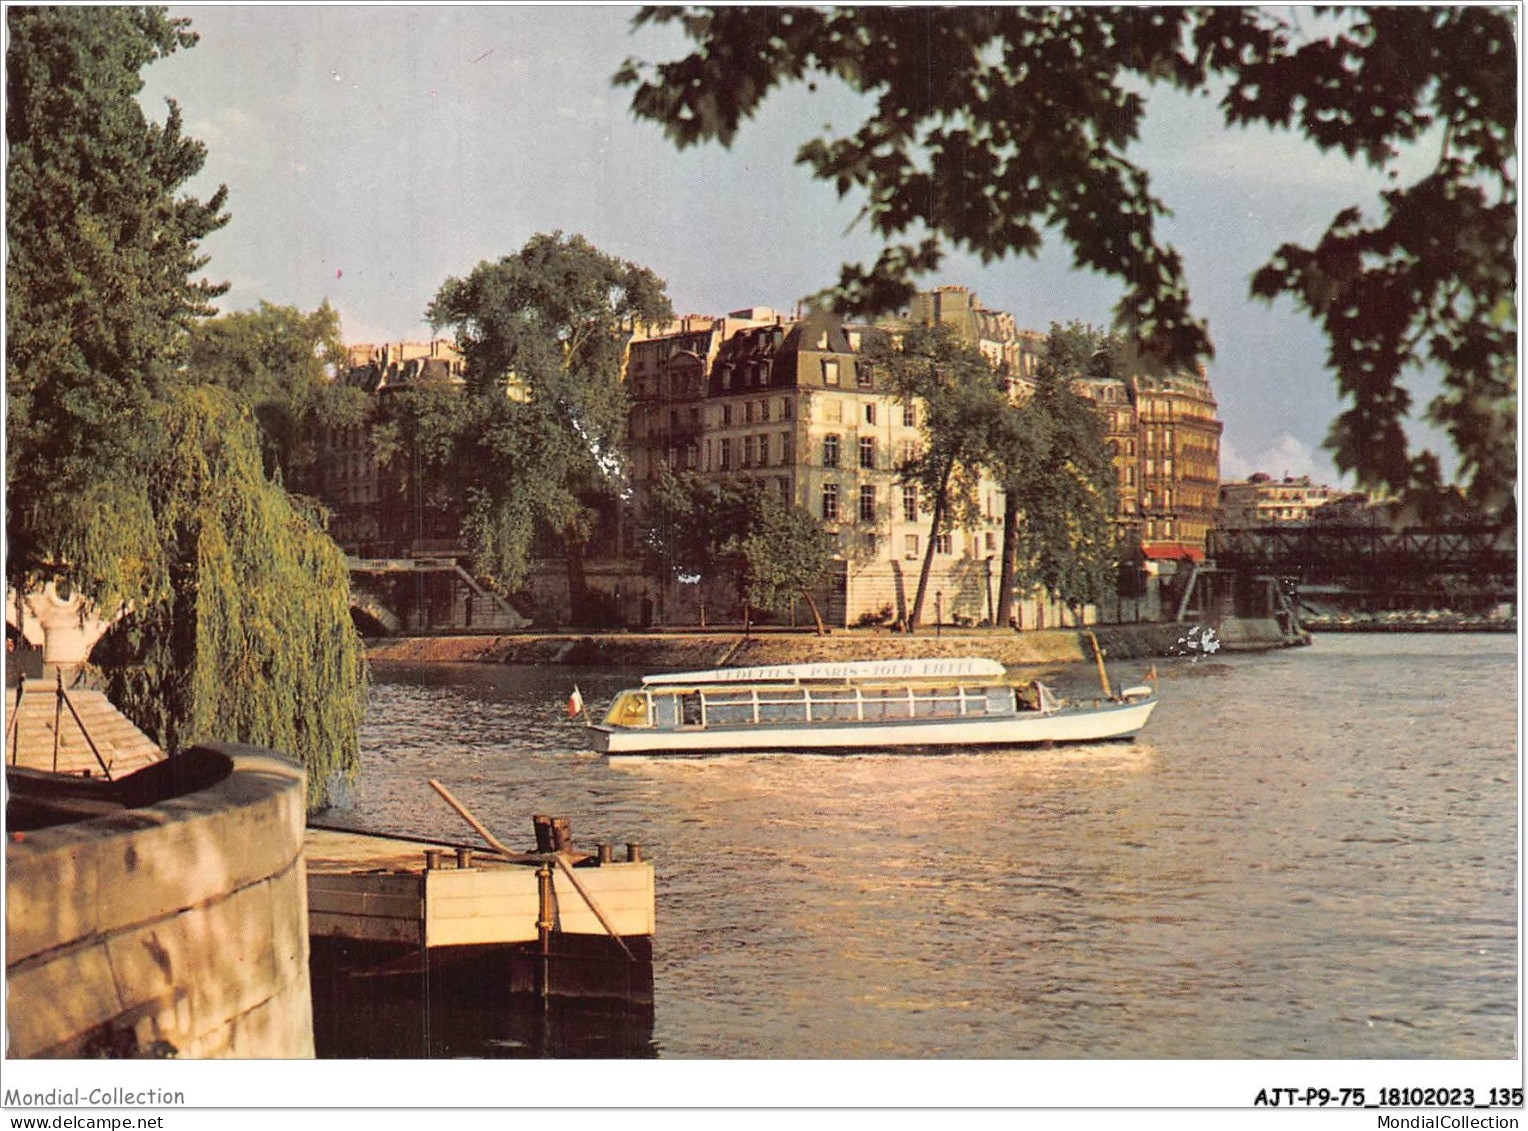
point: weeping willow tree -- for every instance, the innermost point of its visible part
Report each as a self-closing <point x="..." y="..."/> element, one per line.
<point x="243" y="632"/>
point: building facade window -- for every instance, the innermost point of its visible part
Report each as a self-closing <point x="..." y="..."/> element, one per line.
<point x="867" y="452"/>
<point x="910" y="547"/>
<point x="864" y="375"/>
<point x="867" y="503"/>
<point x="834" y="412"/>
<point x="830" y="502"/>
<point x="748" y="412"/>
<point x="910" y="502"/>
<point x="943" y="545"/>
<point x="829" y="371"/>
<point x="830" y="450"/>
<point x="726" y="416"/>
<point x="909" y="416"/>
<point x="870" y="413"/>
<point x="724" y="453"/>
<point x="748" y="455"/>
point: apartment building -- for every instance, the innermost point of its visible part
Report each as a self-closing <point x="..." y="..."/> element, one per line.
<point x="371" y="514"/>
<point x="793" y="404"/>
<point x="1163" y="432"/>
<point x="1261" y="500"/>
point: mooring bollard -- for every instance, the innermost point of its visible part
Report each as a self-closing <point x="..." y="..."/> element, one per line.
<point x="464" y="857"/>
<point x="553" y="834"/>
<point x="633" y="853"/>
<point x="432" y="858"/>
<point x="606" y="853"/>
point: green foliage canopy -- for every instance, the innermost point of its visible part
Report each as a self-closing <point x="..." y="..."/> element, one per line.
<point x="282" y="362"/>
<point x="101" y="250"/>
<point x="543" y="333"/>
<point x="785" y="552"/>
<point x="690" y="525"/>
<point x="699" y="528"/>
<point x="992" y="124"/>
<point x="250" y="638"/>
<point x="1067" y="539"/>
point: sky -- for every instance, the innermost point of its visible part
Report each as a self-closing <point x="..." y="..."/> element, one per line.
<point x="371" y="153"/>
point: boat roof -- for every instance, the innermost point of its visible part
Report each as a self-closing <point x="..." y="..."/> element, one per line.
<point x="855" y="670"/>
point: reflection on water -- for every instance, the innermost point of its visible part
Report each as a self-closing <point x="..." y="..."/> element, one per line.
<point x="1310" y="853"/>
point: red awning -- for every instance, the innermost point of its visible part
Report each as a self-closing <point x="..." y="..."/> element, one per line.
<point x="1171" y="551"/>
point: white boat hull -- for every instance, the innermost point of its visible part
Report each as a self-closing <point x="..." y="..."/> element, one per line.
<point x="1065" y="726"/>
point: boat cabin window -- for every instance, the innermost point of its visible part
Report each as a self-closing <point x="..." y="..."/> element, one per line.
<point x="666" y="710"/>
<point x="788" y="705"/>
<point x="724" y="708"/>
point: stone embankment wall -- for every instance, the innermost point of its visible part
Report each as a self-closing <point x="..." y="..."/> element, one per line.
<point x="175" y="929"/>
<point x="660" y="651"/>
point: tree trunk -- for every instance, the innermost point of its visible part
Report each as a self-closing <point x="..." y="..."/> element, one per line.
<point x="928" y="554"/>
<point x="1009" y="560"/>
<point x="816" y="616"/>
<point x="573" y="547"/>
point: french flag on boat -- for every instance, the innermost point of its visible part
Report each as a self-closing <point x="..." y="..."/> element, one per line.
<point x="575" y="703"/>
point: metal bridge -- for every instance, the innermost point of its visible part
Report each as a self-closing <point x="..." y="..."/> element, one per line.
<point x="1383" y="566"/>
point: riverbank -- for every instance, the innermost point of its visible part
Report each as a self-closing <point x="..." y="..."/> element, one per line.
<point x="1410" y="622"/>
<point x="655" y="651"/>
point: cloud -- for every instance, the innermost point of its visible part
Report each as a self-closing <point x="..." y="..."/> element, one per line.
<point x="1285" y="455"/>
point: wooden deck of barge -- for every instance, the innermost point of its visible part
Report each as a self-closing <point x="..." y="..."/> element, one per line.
<point x="384" y="889"/>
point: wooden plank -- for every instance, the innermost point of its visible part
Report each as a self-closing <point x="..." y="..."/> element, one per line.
<point x="382" y="883"/>
<point x="477" y="931"/>
<point x="366" y="904"/>
<point x="324" y="925"/>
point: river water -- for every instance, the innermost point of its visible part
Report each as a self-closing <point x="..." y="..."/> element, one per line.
<point x="1308" y="853"/>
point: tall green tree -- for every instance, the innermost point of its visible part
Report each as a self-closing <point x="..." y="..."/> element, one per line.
<point x="1067" y="539"/>
<point x="436" y="440"/>
<point x="282" y="362"/>
<point x="1016" y="444"/>
<point x="989" y="126"/>
<point x="543" y="332"/>
<point x="690" y="525"/>
<point x="785" y="552"/>
<point x="125" y="475"/>
<point x="960" y="397"/>
<point x="101" y="287"/>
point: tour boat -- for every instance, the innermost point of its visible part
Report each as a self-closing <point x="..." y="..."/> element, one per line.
<point x="871" y="705"/>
